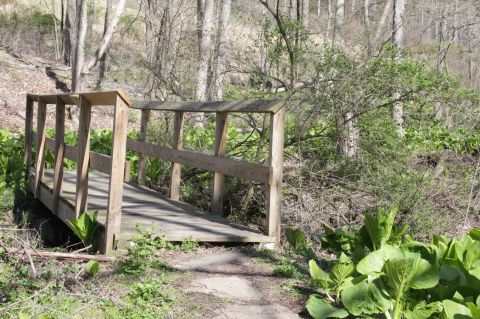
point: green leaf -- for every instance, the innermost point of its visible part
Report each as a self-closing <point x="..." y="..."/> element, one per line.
<point x="320" y="276"/>
<point x="424" y="311"/>
<point x="295" y="237"/>
<point x="341" y="271"/>
<point x="453" y="310"/>
<point x="475" y="234"/>
<point x="92" y="267"/>
<point x="374" y="262"/>
<point x="380" y="227"/>
<point x="365" y="297"/>
<point x="474" y="310"/>
<point x="320" y="309"/>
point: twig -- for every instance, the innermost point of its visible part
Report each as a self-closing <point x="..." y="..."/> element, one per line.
<point x="81" y="249"/>
<point x="58" y="255"/>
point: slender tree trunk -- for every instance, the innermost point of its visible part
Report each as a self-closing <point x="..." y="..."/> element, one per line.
<point x="339" y="20"/>
<point x="319" y="7"/>
<point x="90" y="22"/>
<point x="348" y="133"/>
<point x="78" y="80"/>
<point x="55" y="32"/>
<point x="441" y="110"/>
<point x="383" y="20"/>
<point x="366" y="9"/>
<point x="69" y="33"/>
<point x="222" y="37"/>
<point x="103" y="59"/>
<point x="205" y="52"/>
<point x="398" y="41"/>
<point x="291" y="12"/>
<point x="305" y="12"/>
<point x="200" y="18"/>
<point x="330" y="17"/>
<point x="353" y="7"/>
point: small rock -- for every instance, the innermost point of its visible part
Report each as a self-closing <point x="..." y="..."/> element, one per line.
<point x="226" y="287"/>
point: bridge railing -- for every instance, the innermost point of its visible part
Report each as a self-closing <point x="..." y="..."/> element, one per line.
<point x="113" y="165"/>
<point x="269" y="174"/>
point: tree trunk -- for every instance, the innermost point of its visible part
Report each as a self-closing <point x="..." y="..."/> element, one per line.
<point x="78" y="80"/>
<point x="348" y="133"/>
<point x="90" y="22"/>
<point x="330" y="17"/>
<point x="383" y="20"/>
<point x="69" y="33"/>
<point x="398" y="41"/>
<point x="319" y="7"/>
<point x="200" y="18"/>
<point x="103" y="59"/>
<point x="205" y="52"/>
<point x="441" y="110"/>
<point x="339" y="20"/>
<point x="366" y="17"/>
<point x="353" y="7"/>
<point x="305" y="12"/>
<point x="222" y="37"/>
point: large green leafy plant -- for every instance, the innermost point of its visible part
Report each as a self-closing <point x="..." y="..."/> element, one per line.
<point x="395" y="276"/>
<point x="85" y="227"/>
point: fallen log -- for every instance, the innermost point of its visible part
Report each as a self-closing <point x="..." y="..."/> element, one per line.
<point x="58" y="255"/>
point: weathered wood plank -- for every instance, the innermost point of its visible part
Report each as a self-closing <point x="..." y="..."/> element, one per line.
<point x="142" y="160"/>
<point x="105" y="97"/>
<point x="68" y="99"/>
<point x="100" y="162"/>
<point x="274" y="193"/>
<point x="227" y="166"/>
<point x="28" y="133"/>
<point x="253" y="106"/>
<point x="115" y="187"/>
<point x="83" y="155"/>
<point x="220" y="151"/>
<point x="176" y="145"/>
<point x="59" y="151"/>
<point x="40" y="161"/>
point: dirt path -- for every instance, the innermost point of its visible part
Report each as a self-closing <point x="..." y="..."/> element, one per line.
<point x="233" y="284"/>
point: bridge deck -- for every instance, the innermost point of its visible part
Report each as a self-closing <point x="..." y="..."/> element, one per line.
<point x="143" y="206"/>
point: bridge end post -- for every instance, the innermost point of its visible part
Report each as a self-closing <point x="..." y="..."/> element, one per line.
<point x="115" y="188"/>
<point x="274" y="192"/>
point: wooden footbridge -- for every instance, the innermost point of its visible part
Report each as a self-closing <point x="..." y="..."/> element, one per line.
<point x="101" y="182"/>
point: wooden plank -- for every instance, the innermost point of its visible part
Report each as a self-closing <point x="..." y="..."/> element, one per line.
<point x="274" y="193"/>
<point x="28" y="133"/>
<point x="105" y="97"/>
<point x="59" y="151"/>
<point x="115" y="188"/>
<point x="220" y="151"/>
<point x="176" y="145"/>
<point x="142" y="160"/>
<point x="83" y="156"/>
<point x="40" y="161"/>
<point x="68" y="99"/>
<point x="123" y="238"/>
<point x="227" y="166"/>
<point x="99" y="162"/>
<point x="250" y="106"/>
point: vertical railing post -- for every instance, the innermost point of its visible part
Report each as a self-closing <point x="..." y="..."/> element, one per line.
<point x="142" y="160"/>
<point x="83" y="156"/>
<point x="115" y="188"/>
<point x="59" y="153"/>
<point x="220" y="150"/>
<point x="274" y="194"/>
<point x="40" y="160"/>
<point x="177" y="144"/>
<point x="28" y="135"/>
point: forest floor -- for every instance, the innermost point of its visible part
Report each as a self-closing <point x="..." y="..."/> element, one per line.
<point x="187" y="280"/>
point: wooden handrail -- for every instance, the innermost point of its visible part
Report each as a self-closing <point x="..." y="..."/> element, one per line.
<point x="240" y="106"/>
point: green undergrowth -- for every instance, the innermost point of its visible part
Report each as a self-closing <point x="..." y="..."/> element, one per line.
<point x="381" y="272"/>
